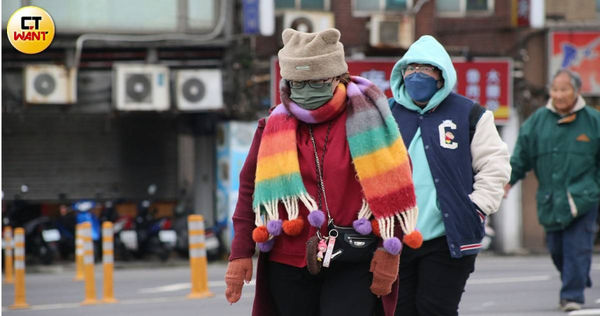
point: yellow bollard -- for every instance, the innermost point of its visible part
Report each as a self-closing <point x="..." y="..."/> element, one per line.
<point x="108" y="260"/>
<point x="8" y="255"/>
<point x="78" y="254"/>
<point x="19" y="269"/>
<point x="198" y="258"/>
<point x="88" y="264"/>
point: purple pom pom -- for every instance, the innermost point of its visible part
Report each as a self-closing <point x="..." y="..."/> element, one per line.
<point x="274" y="227"/>
<point x="266" y="246"/>
<point x="316" y="218"/>
<point x="362" y="226"/>
<point x="392" y="245"/>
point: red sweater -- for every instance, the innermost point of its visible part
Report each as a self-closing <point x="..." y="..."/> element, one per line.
<point x="344" y="193"/>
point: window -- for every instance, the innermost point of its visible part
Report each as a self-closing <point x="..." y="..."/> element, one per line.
<point x="302" y="4"/>
<point x="371" y="6"/>
<point x="464" y="7"/>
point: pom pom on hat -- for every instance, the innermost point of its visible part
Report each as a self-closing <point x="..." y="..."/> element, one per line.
<point x="266" y="246"/>
<point x="274" y="227"/>
<point x="392" y="245"/>
<point x="293" y="227"/>
<point x="362" y="226"/>
<point x="316" y="218"/>
<point x="260" y="234"/>
<point x="414" y="239"/>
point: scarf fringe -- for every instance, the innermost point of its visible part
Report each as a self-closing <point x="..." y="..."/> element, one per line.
<point x="386" y="227"/>
<point x="408" y="220"/>
<point x="270" y="210"/>
<point x="365" y="211"/>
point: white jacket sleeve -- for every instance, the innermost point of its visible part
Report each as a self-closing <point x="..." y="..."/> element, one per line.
<point x="491" y="165"/>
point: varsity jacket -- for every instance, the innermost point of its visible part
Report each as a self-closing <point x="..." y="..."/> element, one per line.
<point x="468" y="174"/>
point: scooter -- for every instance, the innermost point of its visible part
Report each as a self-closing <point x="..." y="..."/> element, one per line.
<point x="154" y="236"/>
<point x="84" y="214"/>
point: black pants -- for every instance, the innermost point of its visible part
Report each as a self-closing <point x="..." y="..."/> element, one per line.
<point x="431" y="283"/>
<point x="342" y="289"/>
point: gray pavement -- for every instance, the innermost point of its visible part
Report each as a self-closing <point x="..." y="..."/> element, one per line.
<point x="501" y="285"/>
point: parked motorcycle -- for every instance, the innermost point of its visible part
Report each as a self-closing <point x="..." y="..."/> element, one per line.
<point x="84" y="214"/>
<point x="41" y="235"/>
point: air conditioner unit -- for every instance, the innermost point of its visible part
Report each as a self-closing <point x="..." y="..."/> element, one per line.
<point x="50" y="84"/>
<point x="140" y="87"/>
<point x="396" y="31"/>
<point x="305" y="21"/>
<point x="199" y="90"/>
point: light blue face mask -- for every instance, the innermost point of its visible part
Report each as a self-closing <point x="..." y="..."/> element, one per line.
<point x="310" y="98"/>
<point x="420" y="87"/>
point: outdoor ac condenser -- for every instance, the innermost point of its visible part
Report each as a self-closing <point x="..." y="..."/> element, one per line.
<point x="49" y="84"/>
<point x="199" y="90"/>
<point x="309" y="22"/>
<point x="396" y="31"/>
<point x="141" y="87"/>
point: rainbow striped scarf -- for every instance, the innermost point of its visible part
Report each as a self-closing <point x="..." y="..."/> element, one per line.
<point x="378" y="155"/>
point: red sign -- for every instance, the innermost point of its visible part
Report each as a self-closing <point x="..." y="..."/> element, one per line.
<point x="579" y="52"/>
<point x="487" y="81"/>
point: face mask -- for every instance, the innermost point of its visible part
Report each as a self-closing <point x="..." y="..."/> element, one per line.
<point x="420" y="86"/>
<point x="310" y="98"/>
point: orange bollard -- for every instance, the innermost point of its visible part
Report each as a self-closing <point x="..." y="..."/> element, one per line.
<point x="78" y="254"/>
<point x="88" y="264"/>
<point x="197" y="247"/>
<point x="8" y="255"/>
<point x="19" y="269"/>
<point x="108" y="260"/>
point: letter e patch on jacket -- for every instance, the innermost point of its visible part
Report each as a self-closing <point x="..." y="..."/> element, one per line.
<point x="446" y="135"/>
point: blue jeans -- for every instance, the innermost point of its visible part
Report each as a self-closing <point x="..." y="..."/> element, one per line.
<point x="571" y="251"/>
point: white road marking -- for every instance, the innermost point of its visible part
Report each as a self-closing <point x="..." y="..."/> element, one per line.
<point x="586" y="312"/>
<point x="510" y="280"/>
<point x="184" y="286"/>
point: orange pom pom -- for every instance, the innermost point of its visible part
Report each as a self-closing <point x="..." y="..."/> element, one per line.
<point x="260" y="234"/>
<point x="414" y="240"/>
<point x="293" y="227"/>
<point x="375" y="226"/>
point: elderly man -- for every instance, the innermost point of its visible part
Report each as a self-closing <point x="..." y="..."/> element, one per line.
<point x="460" y="167"/>
<point x="561" y="143"/>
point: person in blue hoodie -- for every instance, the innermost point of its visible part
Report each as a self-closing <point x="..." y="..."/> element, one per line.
<point x="460" y="168"/>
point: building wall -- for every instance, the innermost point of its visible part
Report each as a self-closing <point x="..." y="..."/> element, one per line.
<point x="87" y="155"/>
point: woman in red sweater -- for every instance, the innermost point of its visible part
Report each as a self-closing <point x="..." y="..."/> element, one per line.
<point x="327" y="172"/>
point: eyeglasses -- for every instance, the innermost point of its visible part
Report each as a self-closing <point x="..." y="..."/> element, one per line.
<point x="320" y="83"/>
<point x="420" y="68"/>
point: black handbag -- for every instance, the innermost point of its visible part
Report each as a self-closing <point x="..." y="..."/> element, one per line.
<point x="351" y="246"/>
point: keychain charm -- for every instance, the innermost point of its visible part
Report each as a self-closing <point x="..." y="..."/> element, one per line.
<point x="321" y="247"/>
<point x="332" y="236"/>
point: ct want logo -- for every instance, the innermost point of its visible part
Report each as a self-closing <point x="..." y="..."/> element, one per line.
<point x="446" y="136"/>
<point x="30" y="30"/>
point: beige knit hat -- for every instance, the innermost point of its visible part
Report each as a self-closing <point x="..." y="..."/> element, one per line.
<point x="310" y="56"/>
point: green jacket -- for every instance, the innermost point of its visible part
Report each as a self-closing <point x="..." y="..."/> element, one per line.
<point x="566" y="160"/>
